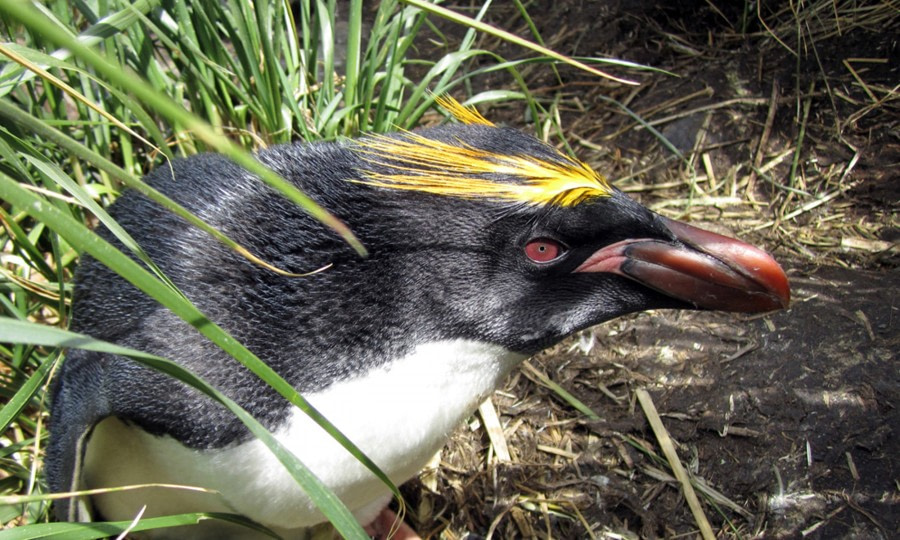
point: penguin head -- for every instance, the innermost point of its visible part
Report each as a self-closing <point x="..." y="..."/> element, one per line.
<point x="504" y="239"/>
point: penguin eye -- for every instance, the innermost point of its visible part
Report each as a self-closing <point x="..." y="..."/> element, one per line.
<point x="543" y="250"/>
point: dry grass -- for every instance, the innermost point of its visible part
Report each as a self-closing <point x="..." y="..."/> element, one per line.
<point x="783" y="131"/>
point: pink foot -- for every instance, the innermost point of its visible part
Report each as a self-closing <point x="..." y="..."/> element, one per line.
<point x="387" y="527"/>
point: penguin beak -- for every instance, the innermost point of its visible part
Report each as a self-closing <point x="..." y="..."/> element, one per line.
<point x="699" y="267"/>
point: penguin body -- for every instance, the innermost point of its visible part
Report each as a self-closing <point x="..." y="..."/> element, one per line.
<point x="485" y="246"/>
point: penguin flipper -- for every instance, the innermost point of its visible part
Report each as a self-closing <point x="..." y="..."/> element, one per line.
<point x="78" y="404"/>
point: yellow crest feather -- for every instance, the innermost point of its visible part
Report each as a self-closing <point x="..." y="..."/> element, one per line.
<point x="418" y="163"/>
<point x="466" y="115"/>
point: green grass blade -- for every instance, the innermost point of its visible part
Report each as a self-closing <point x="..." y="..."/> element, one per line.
<point x="112" y="529"/>
<point x="354" y="40"/>
<point x="562" y="392"/>
<point x="21" y="241"/>
<point x="325" y="18"/>
<point x="25" y="393"/>
<point x="56" y="175"/>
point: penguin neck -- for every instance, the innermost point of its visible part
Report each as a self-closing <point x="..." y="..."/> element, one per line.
<point x="453" y="369"/>
<point x="453" y="375"/>
<point x="400" y="413"/>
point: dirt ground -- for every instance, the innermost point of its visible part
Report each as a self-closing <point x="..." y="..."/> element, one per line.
<point x="790" y="419"/>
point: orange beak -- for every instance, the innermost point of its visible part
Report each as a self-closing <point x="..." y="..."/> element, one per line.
<point x="702" y="268"/>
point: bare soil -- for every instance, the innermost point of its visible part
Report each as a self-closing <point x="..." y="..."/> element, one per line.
<point x="790" y="417"/>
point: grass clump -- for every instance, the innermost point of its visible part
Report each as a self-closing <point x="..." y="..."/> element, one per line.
<point x="94" y="95"/>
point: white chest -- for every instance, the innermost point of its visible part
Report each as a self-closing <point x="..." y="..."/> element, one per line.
<point x="399" y="415"/>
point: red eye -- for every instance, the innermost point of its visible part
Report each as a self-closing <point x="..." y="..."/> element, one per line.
<point x="542" y="250"/>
